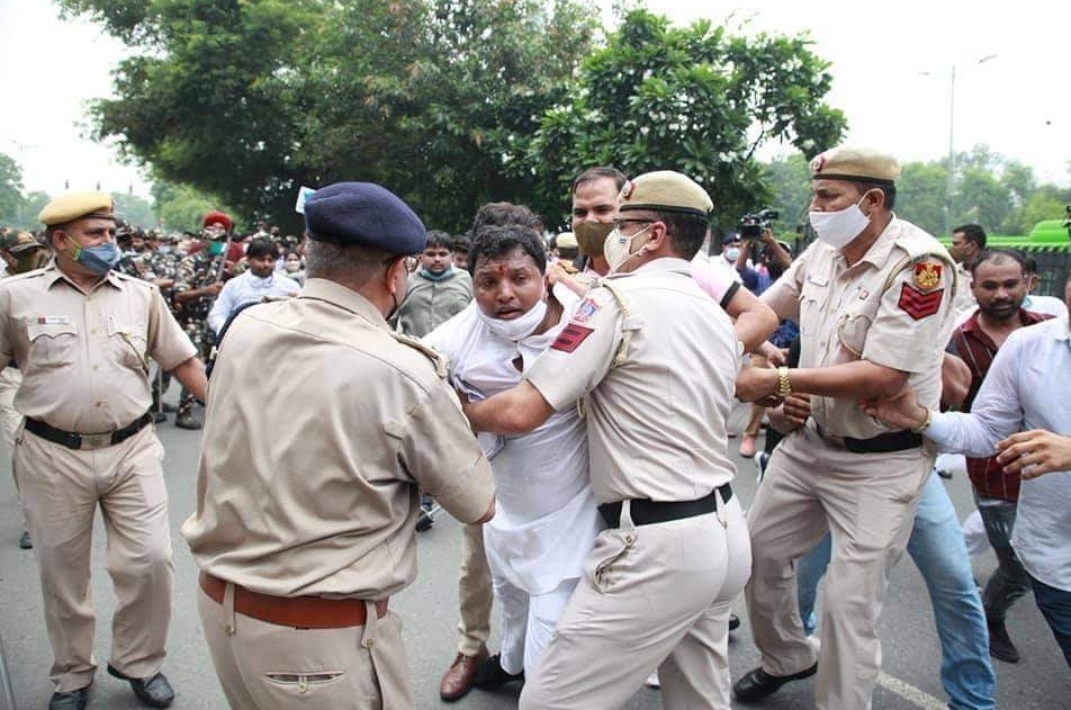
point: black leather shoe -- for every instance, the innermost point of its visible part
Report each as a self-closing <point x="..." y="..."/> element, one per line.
<point x="25" y="541"/>
<point x="187" y="421"/>
<point x="154" y="691"/>
<point x="491" y="676"/>
<point x="74" y="700"/>
<point x="1000" y="644"/>
<point x="758" y="684"/>
<point x="734" y="622"/>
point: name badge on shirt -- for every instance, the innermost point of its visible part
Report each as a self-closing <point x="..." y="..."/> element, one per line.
<point x="817" y="280"/>
<point x="53" y="320"/>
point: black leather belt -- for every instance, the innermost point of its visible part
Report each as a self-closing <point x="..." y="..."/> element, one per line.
<point x="884" y="443"/>
<point x="649" y="512"/>
<point x="87" y="441"/>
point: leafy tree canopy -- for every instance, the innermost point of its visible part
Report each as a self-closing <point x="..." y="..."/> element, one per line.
<point x="693" y="99"/>
<point x="250" y="99"/>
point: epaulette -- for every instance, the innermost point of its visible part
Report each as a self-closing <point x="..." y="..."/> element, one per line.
<point x="440" y="361"/>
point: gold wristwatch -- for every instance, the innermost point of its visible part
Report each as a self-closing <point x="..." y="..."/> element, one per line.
<point x="784" y="384"/>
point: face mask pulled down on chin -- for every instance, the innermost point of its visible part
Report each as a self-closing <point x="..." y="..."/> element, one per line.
<point x="618" y="248"/>
<point x="516" y="329"/>
<point x="838" y="229"/>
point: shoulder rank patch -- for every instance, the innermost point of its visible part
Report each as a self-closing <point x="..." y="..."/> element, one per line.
<point x="928" y="275"/>
<point x="571" y="337"/>
<point x="587" y="308"/>
<point x="918" y="304"/>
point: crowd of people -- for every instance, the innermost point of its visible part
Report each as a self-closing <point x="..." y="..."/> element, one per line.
<point x="568" y="400"/>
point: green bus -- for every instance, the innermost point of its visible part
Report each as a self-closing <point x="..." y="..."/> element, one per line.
<point x="1049" y="244"/>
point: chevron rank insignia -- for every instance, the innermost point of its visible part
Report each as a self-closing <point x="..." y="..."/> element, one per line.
<point x="919" y="304"/>
<point x="571" y="337"/>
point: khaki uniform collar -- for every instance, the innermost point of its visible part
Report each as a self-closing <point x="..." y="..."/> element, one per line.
<point x="52" y="274"/>
<point x="337" y="294"/>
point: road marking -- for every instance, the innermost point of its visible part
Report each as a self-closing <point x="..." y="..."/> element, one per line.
<point x="910" y="693"/>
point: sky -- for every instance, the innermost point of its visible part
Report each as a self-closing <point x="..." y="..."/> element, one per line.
<point x="891" y="65"/>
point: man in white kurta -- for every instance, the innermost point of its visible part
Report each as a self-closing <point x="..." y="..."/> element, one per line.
<point x="546" y="519"/>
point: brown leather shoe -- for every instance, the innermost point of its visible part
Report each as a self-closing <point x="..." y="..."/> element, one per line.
<point x="457" y="681"/>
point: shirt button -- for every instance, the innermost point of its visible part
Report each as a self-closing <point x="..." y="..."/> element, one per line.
<point x="99" y="404"/>
<point x="369" y="643"/>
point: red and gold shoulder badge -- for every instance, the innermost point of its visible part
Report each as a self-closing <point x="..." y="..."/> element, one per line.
<point x="921" y="297"/>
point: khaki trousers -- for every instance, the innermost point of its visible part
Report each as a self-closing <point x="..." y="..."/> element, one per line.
<point x="652" y="596"/>
<point x="474" y="591"/>
<point x="10" y="419"/>
<point x="867" y="502"/>
<point x="61" y="489"/>
<point x="263" y="666"/>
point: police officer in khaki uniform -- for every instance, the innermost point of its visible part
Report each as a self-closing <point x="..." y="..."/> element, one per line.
<point x="873" y="298"/>
<point x="654" y="360"/>
<point x="305" y="528"/>
<point x="82" y="335"/>
<point x="21" y="253"/>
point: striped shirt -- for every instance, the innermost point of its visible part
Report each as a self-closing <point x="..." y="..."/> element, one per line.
<point x="977" y="349"/>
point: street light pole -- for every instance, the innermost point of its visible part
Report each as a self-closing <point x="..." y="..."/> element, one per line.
<point x="950" y="185"/>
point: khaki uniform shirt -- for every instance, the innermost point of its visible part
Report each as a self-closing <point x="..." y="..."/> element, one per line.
<point x="320" y="427"/>
<point x="84" y="356"/>
<point x="656" y="421"/>
<point x="894" y="307"/>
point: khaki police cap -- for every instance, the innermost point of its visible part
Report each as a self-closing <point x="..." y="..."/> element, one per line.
<point x="665" y="191"/>
<point x="16" y="242"/>
<point x="566" y="240"/>
<point x="77" y="205"/>
<point x="856" y="164"/>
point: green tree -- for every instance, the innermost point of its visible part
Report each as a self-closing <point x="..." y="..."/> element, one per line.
<point x="920" y="195"/>
<point x="181" y="208"/>
<point x="11" y="200"/>
<point x="134" y="210"/>
<point x="35" y="202"/>
<point x="693" y="99"/>
<point x="249" y="100"/>
<point x="790" y="184"/>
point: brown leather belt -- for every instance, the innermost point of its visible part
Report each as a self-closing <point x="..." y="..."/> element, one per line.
<point x="299" y="612"/>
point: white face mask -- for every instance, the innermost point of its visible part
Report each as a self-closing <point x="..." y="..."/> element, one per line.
<point x="838" y="229"/>
<point x="516" y="329"/>
<point x="732" y="254"/>
<point x="617" y="249"/>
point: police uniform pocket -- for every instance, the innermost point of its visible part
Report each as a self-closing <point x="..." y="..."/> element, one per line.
<point x="297" y="685"/>
<point x="130" y="345"/>
<point x="852" y="329"/>
<point x="52" y="344"/>
<point x="609" y="549"/>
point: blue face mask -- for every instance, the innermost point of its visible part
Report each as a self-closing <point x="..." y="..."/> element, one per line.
<point x="99" y="259"/>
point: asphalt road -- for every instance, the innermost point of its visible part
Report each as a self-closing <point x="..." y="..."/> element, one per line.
<point x="1040" y="681"/>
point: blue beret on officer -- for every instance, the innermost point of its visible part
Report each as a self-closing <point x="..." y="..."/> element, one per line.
<point x="364" y="214"/>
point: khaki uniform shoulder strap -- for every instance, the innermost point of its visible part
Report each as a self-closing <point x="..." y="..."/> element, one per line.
<point x="629" y="325"/>
<point x="440" y="361"/>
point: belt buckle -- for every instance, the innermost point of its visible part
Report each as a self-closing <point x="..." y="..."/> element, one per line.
<point x="96" y="441"/>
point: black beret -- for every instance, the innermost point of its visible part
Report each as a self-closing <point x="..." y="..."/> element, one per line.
<point x="363" y="214"/>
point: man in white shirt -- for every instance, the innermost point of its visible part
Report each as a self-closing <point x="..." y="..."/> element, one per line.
<point x="1027" y="389"/>
<point x="260" y="282"/>
<point x="547" y="519"/>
